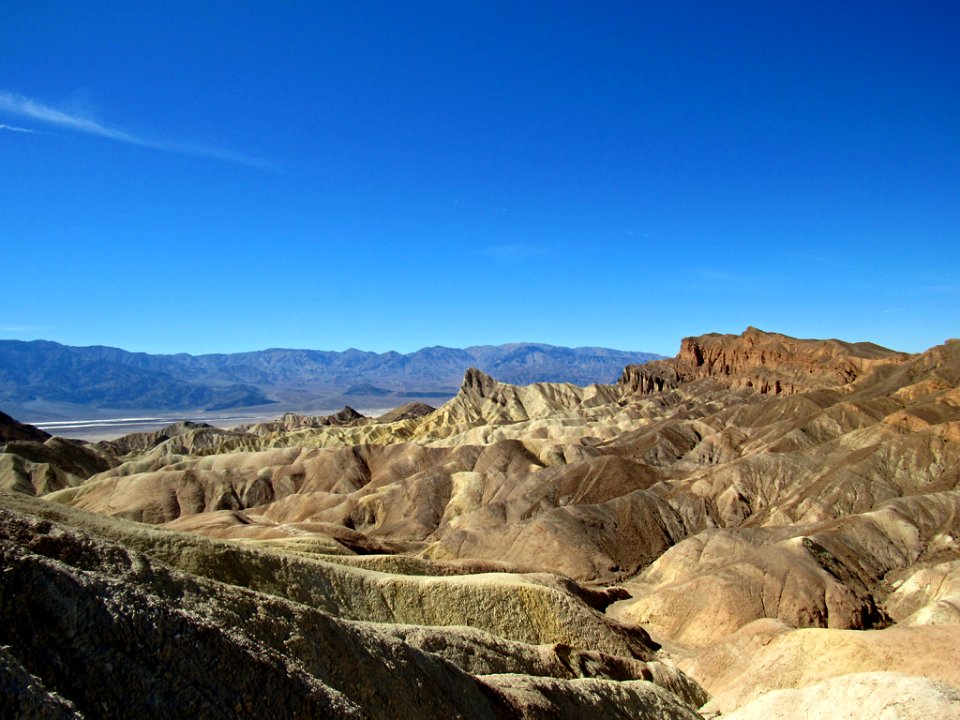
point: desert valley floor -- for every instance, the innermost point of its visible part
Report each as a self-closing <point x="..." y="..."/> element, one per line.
<point x="760" y="527"/>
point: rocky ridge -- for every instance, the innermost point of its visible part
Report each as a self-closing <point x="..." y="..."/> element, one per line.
<point x="10" y="429"/>
<point x="765" y="362"/>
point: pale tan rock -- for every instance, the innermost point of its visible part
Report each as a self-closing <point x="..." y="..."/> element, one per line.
<point x="716" y="582"/>
<point x="859" y="696"/>
<point x="767" y="655"/>
<point x="928" y="596"/>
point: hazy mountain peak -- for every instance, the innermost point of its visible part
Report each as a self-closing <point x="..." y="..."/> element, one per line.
<point x="55" y="376"/>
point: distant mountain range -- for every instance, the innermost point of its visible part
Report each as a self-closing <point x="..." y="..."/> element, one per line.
<point x="42" y="374"/>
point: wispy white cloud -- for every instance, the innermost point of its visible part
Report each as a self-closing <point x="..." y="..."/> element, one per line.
<point x="25" y="107"/>
<point x="14" y="128"/>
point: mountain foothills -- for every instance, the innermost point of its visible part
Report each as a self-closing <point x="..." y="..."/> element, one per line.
<point x="48" y="378"/>
<point x="759" y="527"/>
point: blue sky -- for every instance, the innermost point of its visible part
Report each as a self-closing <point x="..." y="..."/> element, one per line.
<point x="217" y="177"/>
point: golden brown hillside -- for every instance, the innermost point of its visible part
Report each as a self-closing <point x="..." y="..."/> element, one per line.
<point x="756" y="491"/>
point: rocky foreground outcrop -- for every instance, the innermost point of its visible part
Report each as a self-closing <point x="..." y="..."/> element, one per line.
<point x="756" y="502"/>
<point x="106" y="619"/>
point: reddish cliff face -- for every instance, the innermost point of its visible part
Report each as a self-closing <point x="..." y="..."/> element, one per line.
<point x="765" y="362"/>
<point x="651" y="377"/>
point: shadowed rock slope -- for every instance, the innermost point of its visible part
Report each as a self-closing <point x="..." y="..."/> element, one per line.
<point x="33" y="462"/>
<point x="10" y="429"/>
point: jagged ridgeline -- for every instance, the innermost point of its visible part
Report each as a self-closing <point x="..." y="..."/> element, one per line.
<point x="44" y="377"/>
<point x="762" y="526"/>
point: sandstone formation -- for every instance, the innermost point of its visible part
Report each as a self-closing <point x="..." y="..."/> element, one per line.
<point x="773" y="512"/>
<point x="765" y="362"/>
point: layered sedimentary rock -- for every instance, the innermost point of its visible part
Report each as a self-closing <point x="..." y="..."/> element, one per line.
<point x="754" y="491"/>
<point x="38" y="467"/>
<point x="766" y="362"/>
<point x="105" y="619"/>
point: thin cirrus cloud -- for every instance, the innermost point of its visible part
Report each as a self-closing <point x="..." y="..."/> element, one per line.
<point x="14" y="128"/>
<point x="21" y="106"/>
<point x="22" y="328"/>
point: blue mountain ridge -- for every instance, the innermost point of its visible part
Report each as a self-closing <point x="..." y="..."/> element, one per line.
<point x="106" y="377"/>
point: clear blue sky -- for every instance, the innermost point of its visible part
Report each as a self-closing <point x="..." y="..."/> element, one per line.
<point x="392" y="175"/>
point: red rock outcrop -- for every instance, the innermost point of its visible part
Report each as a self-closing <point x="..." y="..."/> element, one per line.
<point x="768" y="363"/>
